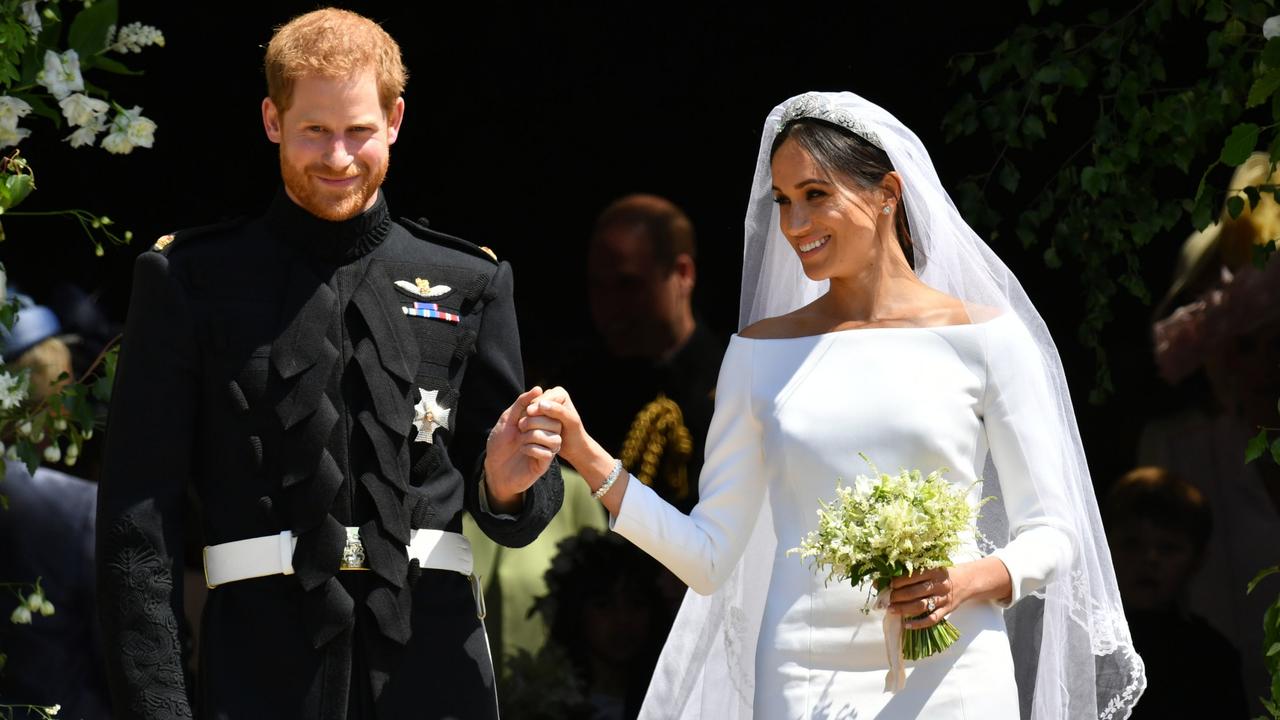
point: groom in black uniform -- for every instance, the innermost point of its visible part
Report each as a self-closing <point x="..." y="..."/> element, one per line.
<point x="333" y="388"/>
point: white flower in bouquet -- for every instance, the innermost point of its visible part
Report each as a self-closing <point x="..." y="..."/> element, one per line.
<point x="31" y="16"/>
<point x="12" y="110"/>
<point x="20" y="616"/>
<point x="1271" y="27"/>
<point x="80" y="110"/>
<point x="135" y="36"/>
<point x="129" y="129"/>
<point x="61" y="73"/>
<point x="87" y="135"/>
<point x="887" y="526"/>
<point x="13" y="390"/>
<point x="12" y="136"/>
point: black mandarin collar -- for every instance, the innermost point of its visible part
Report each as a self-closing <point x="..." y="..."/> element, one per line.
<point x="341" y="241"/>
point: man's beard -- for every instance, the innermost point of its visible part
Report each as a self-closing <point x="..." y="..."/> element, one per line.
<point x="331" y="204"/>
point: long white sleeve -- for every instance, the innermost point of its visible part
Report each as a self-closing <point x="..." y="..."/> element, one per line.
<point x="703" y="547"/>
<point x="1021" y="423"/>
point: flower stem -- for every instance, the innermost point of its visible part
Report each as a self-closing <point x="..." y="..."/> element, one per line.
<point x="923" y="642"/>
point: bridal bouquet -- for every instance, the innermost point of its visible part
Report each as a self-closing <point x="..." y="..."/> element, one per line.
<point x="886" y="526"/>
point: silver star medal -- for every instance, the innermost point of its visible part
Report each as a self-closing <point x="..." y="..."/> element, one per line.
<point x="429" y="415"/>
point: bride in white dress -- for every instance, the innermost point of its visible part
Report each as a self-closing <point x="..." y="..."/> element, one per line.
<point x="875" y="321"/>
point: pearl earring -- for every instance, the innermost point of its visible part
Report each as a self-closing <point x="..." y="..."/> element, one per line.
<point x="886" y="210"/>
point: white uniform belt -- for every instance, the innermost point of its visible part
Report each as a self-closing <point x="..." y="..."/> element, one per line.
<point x="273" y="555"/>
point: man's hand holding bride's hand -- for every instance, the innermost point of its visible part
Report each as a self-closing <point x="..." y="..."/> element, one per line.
<point x="556" y="405"/>
<point x="577" y="447"/>
<point x="518" y="452"/>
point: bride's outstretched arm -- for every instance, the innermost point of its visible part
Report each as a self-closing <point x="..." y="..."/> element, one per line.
<point x="703" y="547"/>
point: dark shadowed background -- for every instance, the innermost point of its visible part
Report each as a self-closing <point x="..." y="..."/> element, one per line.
<point x="525" y="119"/>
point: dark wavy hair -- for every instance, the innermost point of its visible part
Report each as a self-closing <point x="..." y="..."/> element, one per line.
<point x="847" y="155"/>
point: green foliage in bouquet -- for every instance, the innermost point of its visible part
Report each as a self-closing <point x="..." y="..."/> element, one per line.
<point x="888" y="526"/>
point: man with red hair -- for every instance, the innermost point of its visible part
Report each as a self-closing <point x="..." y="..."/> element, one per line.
<point x="333" y="388"/>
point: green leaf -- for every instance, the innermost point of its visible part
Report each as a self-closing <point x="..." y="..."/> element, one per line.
<point x="1034" y="6"/>
<point x="1235" y="206"/>
<point x="1239" y="145"/>
<point x="1260" y="577"/>
<point x="1275" y="648"/>
<point x="92" y="26"/>
<point x="14" y="190"/>
<point x="1264" y="87"/>
<point x="1075" y="78"/>
<point x="1033" y="127"/>
<point x="1215" y="11"/>
<point x="988" y="74"/>
<point x="111" y="65"/>
<point x="1051" y="258"/>
<point x="1234" y="31"/>
<point x="1047" y="102"/>
<point x="1275" y="450"/>
<point x="1048" y="74"/>
<point x="1271" y="53"/>
<point x="1257" y="446"/>
<point x="1009" y="177"/>
<point x="1092" y="181"/>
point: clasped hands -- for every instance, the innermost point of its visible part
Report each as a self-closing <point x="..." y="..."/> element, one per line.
<point x="519" y="450"/>
<point x="528" y="435"/>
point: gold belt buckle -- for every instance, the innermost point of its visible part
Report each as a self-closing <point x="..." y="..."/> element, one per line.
<point x="353" y="552"/>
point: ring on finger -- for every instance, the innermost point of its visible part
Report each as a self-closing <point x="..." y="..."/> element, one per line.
<point x="931" y="603"/>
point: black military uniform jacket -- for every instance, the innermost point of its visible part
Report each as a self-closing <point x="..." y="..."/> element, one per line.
<point x="269" y="367"/>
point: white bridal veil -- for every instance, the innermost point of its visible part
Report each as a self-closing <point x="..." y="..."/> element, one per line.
<point x="1073" y="654"/>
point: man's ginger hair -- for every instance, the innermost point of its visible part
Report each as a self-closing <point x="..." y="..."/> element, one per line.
<point x="333" y="43"/>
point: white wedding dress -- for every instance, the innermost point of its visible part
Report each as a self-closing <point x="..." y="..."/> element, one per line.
<point x="791" y="417"/>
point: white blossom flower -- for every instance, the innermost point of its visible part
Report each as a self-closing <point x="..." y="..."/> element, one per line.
<point x="12" y="136"/>
<point x="135" y="36"/>
<point x="32" y="16"/>
<point x="13" y="390"/>
<point x="83" y="136"/>
<point x="24" y="428"/>
<point x="1271" y="28"/>
<point x="81" y="110"/>
<point x="129" y="129"/>
<point x="52" y="454"/>
<point x="46" y="608"/>
<point x="34" y="601"/>
<point x="61" y="73"/>
<point x="12" y="109"/>
<point x="21" y="616"/>
<point x="53" y="710"/>
<point x="117" y="144"/>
